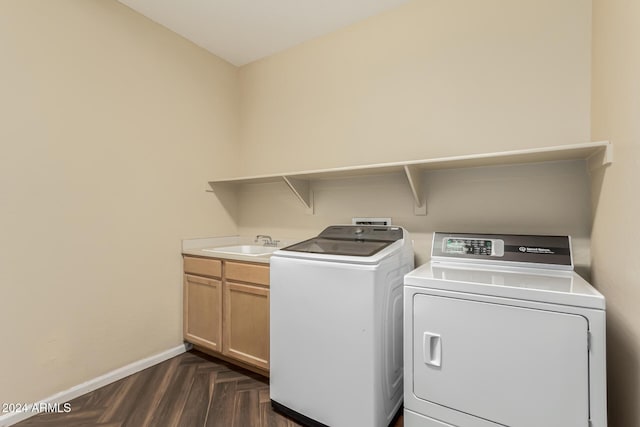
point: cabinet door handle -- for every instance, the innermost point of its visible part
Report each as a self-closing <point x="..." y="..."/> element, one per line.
<point x="432" y="349"/>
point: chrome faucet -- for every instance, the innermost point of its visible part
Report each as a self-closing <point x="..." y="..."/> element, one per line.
<point x="266" y="240"/>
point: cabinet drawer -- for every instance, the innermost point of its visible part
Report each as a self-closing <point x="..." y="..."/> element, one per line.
<point x="202" y="266"/>
<point x="252" y="273"/>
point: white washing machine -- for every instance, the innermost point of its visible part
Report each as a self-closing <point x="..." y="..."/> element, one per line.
<point x="500" y="331"/>
<point x="336" y="326"/>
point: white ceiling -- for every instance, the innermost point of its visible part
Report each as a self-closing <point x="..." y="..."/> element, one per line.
<point x="242" y="31"/>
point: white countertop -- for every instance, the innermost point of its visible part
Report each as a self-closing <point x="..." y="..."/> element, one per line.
<point x="196" y="247"/>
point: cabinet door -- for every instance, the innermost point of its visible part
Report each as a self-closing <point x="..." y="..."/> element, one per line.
<point x="246" y="320"/>
<point x="202" y="311"/>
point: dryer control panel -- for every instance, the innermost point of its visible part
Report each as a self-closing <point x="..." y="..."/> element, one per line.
<point x="534" y="250"/>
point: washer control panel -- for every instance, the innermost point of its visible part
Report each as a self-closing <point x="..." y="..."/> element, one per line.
<point x="362" y="232"/>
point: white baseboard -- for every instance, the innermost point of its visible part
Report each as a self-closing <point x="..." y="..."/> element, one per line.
<point x="95" y="383"/>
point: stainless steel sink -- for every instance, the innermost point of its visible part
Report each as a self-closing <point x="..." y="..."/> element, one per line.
<point x="250" y="250"/>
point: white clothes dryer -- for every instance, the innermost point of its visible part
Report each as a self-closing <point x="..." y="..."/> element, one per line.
<point x="500" y="331"/>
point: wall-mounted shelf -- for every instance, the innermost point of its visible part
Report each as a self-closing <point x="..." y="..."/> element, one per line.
<point x="596" y="154"/>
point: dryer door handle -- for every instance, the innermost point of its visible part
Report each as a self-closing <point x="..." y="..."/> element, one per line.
<point x="432" y="349"/>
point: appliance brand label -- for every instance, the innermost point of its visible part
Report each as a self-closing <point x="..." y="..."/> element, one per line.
<point x="538" y="250"/>
<point x="535" y="250"/>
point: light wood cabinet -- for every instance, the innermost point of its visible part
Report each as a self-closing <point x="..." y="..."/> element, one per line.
<point x="226" y="309"/>
<point x="246" y="323"/>
<point x="245" y="272"/>
<point x="203" y="311"/>
<point x="203" y="266"/>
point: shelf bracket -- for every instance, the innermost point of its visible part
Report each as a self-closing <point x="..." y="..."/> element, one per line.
<point x="302" y="190"/>
<point x="226" y="193"/>
<point x="601" y="158"/>
<point x="414" y="175"/>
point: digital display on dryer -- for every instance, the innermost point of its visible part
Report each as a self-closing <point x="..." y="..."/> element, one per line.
<point x="468" y="246"/>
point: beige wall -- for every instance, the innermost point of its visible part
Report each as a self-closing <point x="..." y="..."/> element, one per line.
<point x="616" y="227"/>
<point x="544" y="198"/>
<point x="428" y="79"/>
<point x="110" y="127"/>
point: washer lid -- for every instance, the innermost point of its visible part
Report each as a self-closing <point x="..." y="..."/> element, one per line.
<point x="349" y="240"/>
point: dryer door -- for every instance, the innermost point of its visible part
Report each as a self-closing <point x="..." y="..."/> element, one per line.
<point x="509" y="365"/>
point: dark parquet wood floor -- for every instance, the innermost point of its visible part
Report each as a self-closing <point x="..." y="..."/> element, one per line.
<point x="190" y="390"/>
